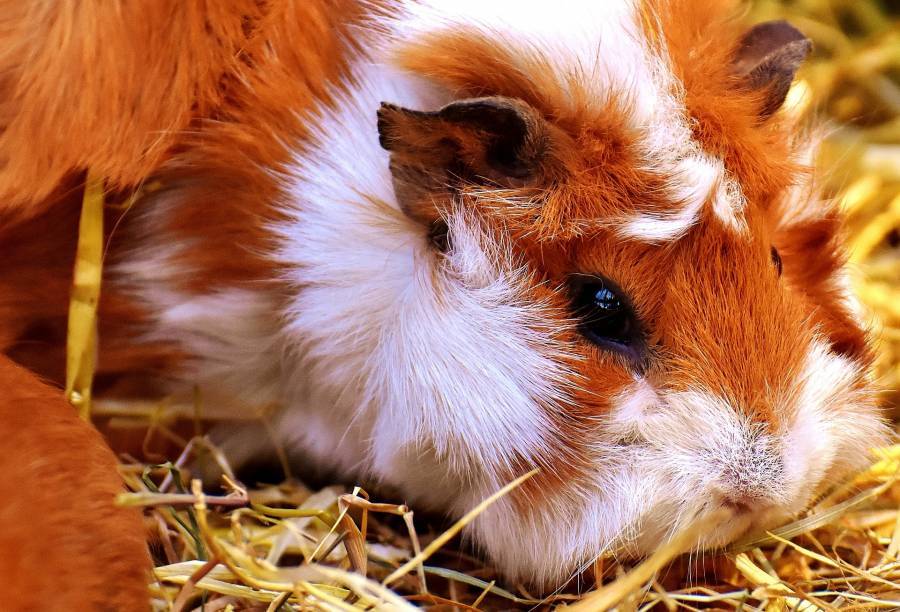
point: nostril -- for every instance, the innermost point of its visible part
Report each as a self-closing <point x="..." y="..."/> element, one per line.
<point x="738" y="504"/>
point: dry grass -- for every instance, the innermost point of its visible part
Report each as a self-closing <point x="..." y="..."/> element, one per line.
<point x="286" y="547"/>
<point x="330" y="549"/>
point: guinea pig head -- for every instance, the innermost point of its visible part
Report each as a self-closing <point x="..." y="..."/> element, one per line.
<point x="671" y="263"/>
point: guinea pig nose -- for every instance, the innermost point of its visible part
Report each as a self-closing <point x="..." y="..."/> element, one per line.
<point x="739" y="504"/>
<point x="740" y="499"/>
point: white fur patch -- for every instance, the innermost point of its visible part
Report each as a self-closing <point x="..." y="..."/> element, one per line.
<point x="802" y="202"/>
<point x="661" y="462"/>
<point x="232" y="338"/>
<point x="696" y="177"/>
<point x="437" y="356"/>
<point x="708" y="447"/>
<point x="834" y="427"/>
<point x="842" y="283"/>
<point x="729" y="204"/>
<point x="698" y="180"/>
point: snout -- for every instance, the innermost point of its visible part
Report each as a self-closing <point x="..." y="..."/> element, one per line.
<point x="751" y="503"/>
<point x="750" y="472"/>
<point x="709" y="459"/>
<point x="741" y="503"/>
<point x="735" y="512"/>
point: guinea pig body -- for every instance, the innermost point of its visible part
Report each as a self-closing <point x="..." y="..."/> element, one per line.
<point x="456" y="241"/>
<point x="65" y="541"/>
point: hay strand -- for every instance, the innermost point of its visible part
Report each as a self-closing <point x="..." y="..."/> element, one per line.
<point x="81" y="338"/>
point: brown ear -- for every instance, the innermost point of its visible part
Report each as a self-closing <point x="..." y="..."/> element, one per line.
<point x="496" y="140"/>
<point x="767" y="59"/>
<point x="493" y="138"/>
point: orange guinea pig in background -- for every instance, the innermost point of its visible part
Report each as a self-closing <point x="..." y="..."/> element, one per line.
<point x="65" y="545"/>
<point x="452" y="242"/>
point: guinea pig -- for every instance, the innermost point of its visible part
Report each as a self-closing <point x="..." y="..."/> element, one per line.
<point x="456" y="241"/>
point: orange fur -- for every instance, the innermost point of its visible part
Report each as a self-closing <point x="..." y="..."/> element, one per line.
<point x="33" y="316"/>
<point x="113" y="88"/>
<point x="65" y="543"/>
<point x="123" y="89"/>
<point x="701" y="43"/>
<point x="108" y="86"/>
<point x="221" y="175"/>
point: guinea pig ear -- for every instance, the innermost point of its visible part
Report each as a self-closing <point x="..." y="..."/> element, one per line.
<point x="495" y="140"/>
<point x="767" y="59"/>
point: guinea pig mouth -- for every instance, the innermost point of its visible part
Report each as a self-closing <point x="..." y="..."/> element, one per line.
<point x="735" y="527"/>
<point x="741" y="522"/>
<point x="721" y="524"/>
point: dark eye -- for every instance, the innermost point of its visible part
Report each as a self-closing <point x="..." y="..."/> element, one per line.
<point x="606" y="316"/>
<point x="776" y="261"/>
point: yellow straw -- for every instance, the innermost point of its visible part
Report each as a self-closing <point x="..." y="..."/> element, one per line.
<point x="81" y="342"/>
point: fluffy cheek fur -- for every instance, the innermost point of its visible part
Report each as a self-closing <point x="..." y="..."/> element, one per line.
<point x="451" y="369"/>
<point x="665" y="460"/>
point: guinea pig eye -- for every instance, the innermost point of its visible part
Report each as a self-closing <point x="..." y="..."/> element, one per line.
<point x="776" y="261"/>
<point x="606" y="317"/>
